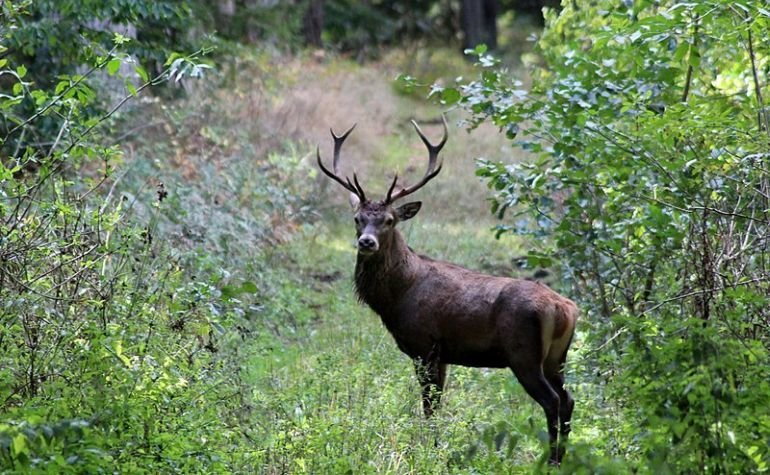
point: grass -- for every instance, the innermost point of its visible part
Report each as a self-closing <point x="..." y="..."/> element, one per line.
<point x="340" y="396"/>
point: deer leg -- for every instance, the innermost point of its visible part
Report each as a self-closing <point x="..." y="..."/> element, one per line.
<point x="531" y="377"/>
<point x="431" y="375"/>
<point x="554" y="373"/>
<point x="567" y="404"/>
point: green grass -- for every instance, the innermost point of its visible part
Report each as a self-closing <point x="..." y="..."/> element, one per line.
<point x="338" y="395"/>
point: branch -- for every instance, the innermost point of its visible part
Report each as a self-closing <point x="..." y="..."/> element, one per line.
<point x="762" y="117"/>
<point x="688" y="78"/>
<point x="704" y="291"/>
<point x="56" y="99"/>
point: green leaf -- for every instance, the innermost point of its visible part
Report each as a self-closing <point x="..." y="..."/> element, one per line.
<point x="40" y="97"/>
<point x="450" y="96"/>
<point x="142" y="73"/>
<point x="21" y="71"/>
<point x="249" y="287"/>
<point x="113" y="66"/>
<point x="173" y="57"/>
<point x="232" y="291"/>
<point x="19" y="444"/>
<point x="119" y="39"/>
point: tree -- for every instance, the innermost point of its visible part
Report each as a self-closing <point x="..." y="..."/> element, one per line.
<point x="649" y="129"/>
<point x="58" y="38"/>
<point x="479" y="23"/>
<point x="313" y="23"/>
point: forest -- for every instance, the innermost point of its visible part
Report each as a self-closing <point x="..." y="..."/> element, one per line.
<point x="179" y="289"/>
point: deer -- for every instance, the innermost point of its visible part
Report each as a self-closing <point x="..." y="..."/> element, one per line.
<point x="443" y="314"/>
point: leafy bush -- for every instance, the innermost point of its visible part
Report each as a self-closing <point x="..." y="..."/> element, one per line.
<point x="121" y="346"/>
<point x="64" y="39"/>
<point x="648" y="129"/>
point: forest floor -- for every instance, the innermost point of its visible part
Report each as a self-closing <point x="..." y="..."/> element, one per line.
<point x="329" y="390"/>
<point x="337" y="395"/>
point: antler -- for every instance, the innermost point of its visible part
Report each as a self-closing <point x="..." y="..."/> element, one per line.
<point x="432" y="171"/>
<point x="353" y="187"/>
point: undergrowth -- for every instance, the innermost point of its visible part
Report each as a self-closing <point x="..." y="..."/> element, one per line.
<point x="338" y="396"/>
<point x="183" y="303"/>
<point x="130" y="279"/>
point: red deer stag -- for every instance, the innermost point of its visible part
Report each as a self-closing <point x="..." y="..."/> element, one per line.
<point x="441" y="314"/>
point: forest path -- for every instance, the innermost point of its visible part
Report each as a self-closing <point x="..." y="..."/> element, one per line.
<point x="338" y="94"/>
<point x="333" y="391"/>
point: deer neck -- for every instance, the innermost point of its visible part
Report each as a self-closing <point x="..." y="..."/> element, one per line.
<point x="382" y="278"/>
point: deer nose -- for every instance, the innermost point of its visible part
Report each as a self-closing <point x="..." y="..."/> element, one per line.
<point x="367" y="243"/>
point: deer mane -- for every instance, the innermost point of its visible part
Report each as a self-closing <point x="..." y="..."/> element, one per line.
<point x="379" y="278"/>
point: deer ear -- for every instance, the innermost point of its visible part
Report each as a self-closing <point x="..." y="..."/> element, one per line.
<point x="354" y="200"/>
<point x="408" y="210"/>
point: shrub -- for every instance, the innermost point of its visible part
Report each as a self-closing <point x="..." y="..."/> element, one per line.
<point x="648" y="130"/>
<point x="111" y="347"/>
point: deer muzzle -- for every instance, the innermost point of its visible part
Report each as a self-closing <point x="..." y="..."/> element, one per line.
<point x="367" y="244"/>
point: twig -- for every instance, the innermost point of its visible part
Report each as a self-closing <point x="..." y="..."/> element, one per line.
<point x="704" y="291"/>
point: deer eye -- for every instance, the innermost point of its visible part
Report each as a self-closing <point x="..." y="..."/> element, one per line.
<point x="356" y="220"/>
<point x="388" y="221"/>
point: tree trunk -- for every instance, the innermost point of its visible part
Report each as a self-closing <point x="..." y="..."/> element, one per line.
<point x="478" y="19"/>
<point x="226" y="8"/>
<point x="313" y="23"/>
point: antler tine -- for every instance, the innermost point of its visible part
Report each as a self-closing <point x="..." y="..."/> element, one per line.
<point x="331" y="175"/>
<point x="433" y="150"/>
<point x="338" y="141"/>
<point x="356" y="188"/>
<point x="388" y="198"/>
<point x="431" y="172"/>
<point x="360" y="188"/>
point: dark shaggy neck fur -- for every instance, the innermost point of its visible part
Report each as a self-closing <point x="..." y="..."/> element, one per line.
<point x="383" y="276"/>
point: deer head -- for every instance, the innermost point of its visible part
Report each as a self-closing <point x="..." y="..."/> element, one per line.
<point x="376" y="219"/>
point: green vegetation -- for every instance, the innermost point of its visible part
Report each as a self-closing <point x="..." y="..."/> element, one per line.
<point x="649" y="130"/>
<point x="175" y="276"/>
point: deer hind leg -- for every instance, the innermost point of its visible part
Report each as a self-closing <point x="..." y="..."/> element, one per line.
<point x="530" y="375"/>
<point x="554" y="373"/>
<point x="432" y="376"/>
<point x="567" y="404"/>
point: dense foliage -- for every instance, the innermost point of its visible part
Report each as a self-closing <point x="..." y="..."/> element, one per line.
<point x="117" y="333"/>
<point x="648" y="124"/>
<point x="151" y="319"/>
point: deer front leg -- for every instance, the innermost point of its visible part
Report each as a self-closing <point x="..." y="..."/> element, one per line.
<point x="432" y="376"/>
